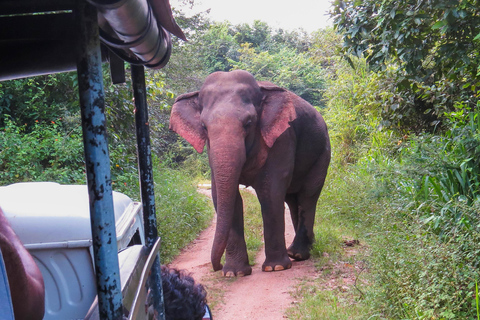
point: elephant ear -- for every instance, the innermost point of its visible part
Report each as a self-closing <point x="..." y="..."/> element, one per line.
<point x="278" y="111"/>
<point x="185" y="120"/>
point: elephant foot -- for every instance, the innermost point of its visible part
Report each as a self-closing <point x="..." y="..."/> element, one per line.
<point x="298" y="254"/>
<point x="231" y="272"/>
<point x="270" y="266"/>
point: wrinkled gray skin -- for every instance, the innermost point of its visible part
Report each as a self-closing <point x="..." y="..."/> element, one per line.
<point x="263" y="136"/>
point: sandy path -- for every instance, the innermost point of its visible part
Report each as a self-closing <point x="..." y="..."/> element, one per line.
<point x="262" y="295"/>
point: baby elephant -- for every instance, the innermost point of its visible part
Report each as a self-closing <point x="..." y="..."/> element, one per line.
<point x="264" y="136"/>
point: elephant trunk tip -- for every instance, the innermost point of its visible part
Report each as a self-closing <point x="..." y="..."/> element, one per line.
<point x="216" y="260"/>
<point x="217" y="266"/>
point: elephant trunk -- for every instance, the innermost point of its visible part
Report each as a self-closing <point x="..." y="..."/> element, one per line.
<point x="226" y="161"/>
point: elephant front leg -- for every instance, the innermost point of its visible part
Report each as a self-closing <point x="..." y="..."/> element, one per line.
<point x="236" y="257"/>
<point x="276" y="257"/>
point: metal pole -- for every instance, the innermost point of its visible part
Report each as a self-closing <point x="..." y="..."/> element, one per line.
<point x="146" y="182"/>
<point x="92" y="104"/>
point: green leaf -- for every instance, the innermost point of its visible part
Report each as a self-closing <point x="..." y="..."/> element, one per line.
<point x="392" y="13"/>
<point x="439" y="24"/>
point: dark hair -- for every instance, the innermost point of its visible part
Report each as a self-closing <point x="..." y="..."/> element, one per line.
<point x="183" y="298"/>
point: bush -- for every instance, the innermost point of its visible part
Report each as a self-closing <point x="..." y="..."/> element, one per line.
<point x="181" y="211"/>
<point x="43" y="152"/>
<point x="425" y="260"/>
<point x="47" y="151"/>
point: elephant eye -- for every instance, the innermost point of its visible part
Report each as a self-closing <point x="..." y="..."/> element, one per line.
<point x="247" y="124"/>
<point x="204" y="126"/>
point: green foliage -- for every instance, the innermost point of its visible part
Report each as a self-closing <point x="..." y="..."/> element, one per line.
<point x="258" y="35"/>
<point x="186" y="70"/>
<point x="355" y="100"/>
<point x="318" y="303"/>
<point x="427" y="38"/>
<point x="42" y="152"/>
<point x="181" y="211"/>
<point x="253" y="224"/>
<point x="219" y="47"/>
<point x="415" y="200"/>
<point x="299" y="40"/>
<point x="433" y="47"/>
<point x="42" y="98"/>
<point x="324" y="50"/>
<point x="425" y="259"/>
<point x="447" y="171"/>
<point x="421" y="277"/>
<point x="286" y="68"/>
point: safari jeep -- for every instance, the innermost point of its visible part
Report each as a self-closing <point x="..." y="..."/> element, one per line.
<point x="53" y="222"/>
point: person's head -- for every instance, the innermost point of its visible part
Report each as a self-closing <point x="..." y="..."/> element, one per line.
<point x="184" y="299"/>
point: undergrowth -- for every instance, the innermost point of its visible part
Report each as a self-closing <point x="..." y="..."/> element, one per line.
<point x="431" y="266"/>
<point x="345" y="212"/>
<point x="253" y="224"/>
<point x="182" y="213"/>
<point x="416" y="215"/>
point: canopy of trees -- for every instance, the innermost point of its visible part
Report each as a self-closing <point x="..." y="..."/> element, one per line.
<point x="433" y="47"/>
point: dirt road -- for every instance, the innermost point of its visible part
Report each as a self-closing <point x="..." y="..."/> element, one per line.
<point x="262" y="295"/>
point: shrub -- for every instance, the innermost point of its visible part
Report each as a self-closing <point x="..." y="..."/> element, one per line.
<point x="44" y="153"/>
<point x="425" y="260"/>
<point x="181" y="211"/>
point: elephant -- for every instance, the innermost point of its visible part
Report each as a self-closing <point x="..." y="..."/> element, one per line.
<point x="259" y="135"/>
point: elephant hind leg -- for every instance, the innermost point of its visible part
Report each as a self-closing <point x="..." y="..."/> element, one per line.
<point x="292" y="202"/>
<point x="304" y="236"/>
<point x="296" y="251"/>
<point x="304" y="206"/>
<point x="299" y="249"/>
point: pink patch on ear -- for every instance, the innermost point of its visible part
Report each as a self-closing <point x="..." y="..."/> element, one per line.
<point x="280" y="123"/>
<point x="183" y="128"/>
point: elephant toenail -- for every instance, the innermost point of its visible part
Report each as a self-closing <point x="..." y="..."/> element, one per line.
<point x="279" y="267"/>
<point x="268" y="269"/>
<point x="298" y="256"/>
<point x="240" y="274"/>
<point x="230" y="274"/>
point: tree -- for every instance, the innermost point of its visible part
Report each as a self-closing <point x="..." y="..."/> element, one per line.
<point x="39" y="99"/>
<point x="286" y="68"/>
<point x="428" y="38"/>
<point x="258" y="35"/>
<point x="325" y="50"/>
<point x="432" y="46"/>
<point x="218" y="47"/>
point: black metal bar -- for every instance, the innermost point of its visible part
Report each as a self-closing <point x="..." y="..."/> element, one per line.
<point x="8" y="7"/>
<point x="146" y="181"/>
<point x="92" y="103"/>
<point x="36" y="44"/>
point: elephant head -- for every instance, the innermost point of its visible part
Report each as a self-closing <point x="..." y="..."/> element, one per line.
<point x="235" y="116"/>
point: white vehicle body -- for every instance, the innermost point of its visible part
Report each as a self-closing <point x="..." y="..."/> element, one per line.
<point x="53" y="222"/>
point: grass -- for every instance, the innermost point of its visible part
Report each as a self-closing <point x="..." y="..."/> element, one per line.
<point x="253" y="224"/>
<point x="409" y="270"/>
<point x="182" y="213"/>
<point x="320" y="303"/>
<point x="401" y="270"/>
<point x="344" y="213"/>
